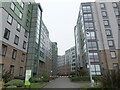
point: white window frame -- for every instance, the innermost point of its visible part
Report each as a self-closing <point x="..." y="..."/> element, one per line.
<point x="10" y="19"/>
<point x="113" y="54"/>
<point x="14" y="54"/>
<point x="16" y="40"/>
<point x="110" y="43"/>
<point x="12" y="6"/>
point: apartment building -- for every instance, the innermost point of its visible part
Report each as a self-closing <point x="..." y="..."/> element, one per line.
<point x="54" y="58"/>
<point x="67" y="62"/>
<point x="70" y="58"/>
<point x="14" y="36"/>
<point x="45" y="52"/>
<point x="96" y="36"/>
<point x="61" y="65"/>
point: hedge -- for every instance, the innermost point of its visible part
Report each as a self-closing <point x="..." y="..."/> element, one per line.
<point x="15" y="82"/>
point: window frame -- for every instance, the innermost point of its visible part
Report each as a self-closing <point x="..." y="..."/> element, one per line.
<point x="14" y="54"/>
<point x="113" y="55"/>
<point x="16" y="42"/>
<point x="108" y="32"/>
<point x="8" y="34"/>
<point x="5" y="49"/>
<point x="104" y="13"/>
<point x="24" y="44"/>
<point x="110" y="43"/>
<point x="12" y="4"/>
<point x="114" y="4"/>
<point x="18" y="28"/>
<point x="106" y="23"/>
<point x="8" y="18"/>
<point x="102" y="5"/>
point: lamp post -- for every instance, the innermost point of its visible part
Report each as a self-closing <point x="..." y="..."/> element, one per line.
<point x="91" y="80"/>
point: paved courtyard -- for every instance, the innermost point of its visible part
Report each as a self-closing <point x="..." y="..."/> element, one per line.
<point x="62" y="82"/>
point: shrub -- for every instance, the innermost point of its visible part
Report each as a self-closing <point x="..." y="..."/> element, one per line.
<point x="35" y="80"/>
<point x="80" y="78"/>
<point x="20" y="77"/>
<point x="15" y="82"/>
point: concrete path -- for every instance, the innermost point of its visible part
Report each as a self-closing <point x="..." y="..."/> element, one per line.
<point x="62" y="82"/>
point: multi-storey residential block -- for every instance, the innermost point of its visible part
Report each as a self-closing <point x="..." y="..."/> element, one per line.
<point x="45" y="52"/>
<point x="96" y="36"/>
<point x="14" y="36"/>
<point x="67" y="62"/>
<point x="70" y="58"/>
<point x="61" y="65"/>
<point x="25" y="39"/>
<point x="54" y="58"/>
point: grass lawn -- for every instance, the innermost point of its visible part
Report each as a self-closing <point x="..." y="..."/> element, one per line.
<point x="88" y="85"/>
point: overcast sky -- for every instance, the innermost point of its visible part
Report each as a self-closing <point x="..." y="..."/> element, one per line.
<point x="60" y="17"/>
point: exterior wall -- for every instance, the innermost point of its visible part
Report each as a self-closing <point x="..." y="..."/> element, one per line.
<point x="17" y="63"/>
<point x="103" y="48"/>
<point x="20" y="59"/>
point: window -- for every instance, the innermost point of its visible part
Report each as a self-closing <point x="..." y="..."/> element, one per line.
<point x="86" y="9"/>
<point x="23" y="57"/>
<point x="14" y="54"/>
<point x="90" y="35"/>
<point x="27" y="23"/>
<point x="73" y="56"/>
<point x="93" y="57"/>
<point x="73" y="60"/>
<point x="21" y="71"/>
<point x="115" y="65"/>
<point x="16" y="40"/>
<point x="41" y="54"/>
<point x="18" y="13"/>
<point x="21" y="3"/>
<point x="4" y="49"/>
<point x="87" y="17"/>
<point x="26" y="34"/>
<point x="6" y="34"/>
<point x="18" y="27"/>
<point x="114" y="4"/>
<point x="102" y="5"/>
<point x="116" y="12"/>
<point x="110" y="43"/>
<point x="113" y="54"/>
<point x="104" y="13"/>
<point x="12" y="6"/>
<point x="10" y="19"/>
<point x="89" y="25"/>
<point x="1" y="68"/>
<point x="108" y="32"/>
<point x="11" y="69"/>
<point x="92" y="45"/>
<point x="106" y="22"/>
<point x="95" y="69"/>
<point x="24" y="45"/>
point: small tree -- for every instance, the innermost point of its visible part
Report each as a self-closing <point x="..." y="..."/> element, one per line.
<point x="111" y="79"/>
<point x="7" y="76"/>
